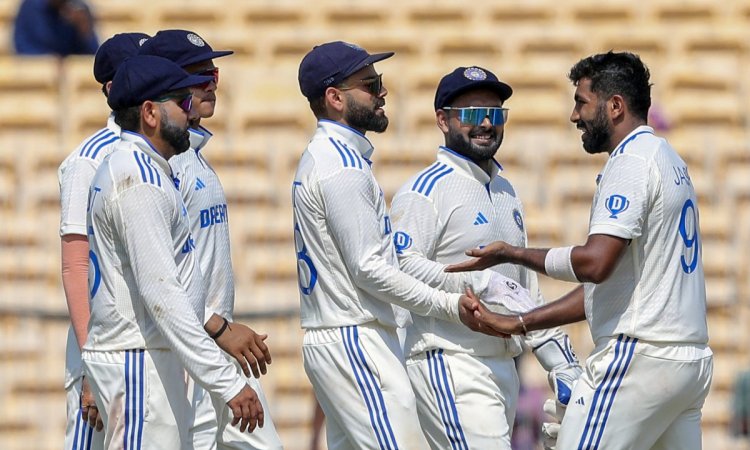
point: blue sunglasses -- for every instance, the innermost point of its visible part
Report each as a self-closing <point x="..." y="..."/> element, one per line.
<point x="475" y="115"/>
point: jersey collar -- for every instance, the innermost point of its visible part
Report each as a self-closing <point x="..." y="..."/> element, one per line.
<point x="112" y="125"/>
<point x="466" y="166"/>
<point x="145" y="146"/>
<point x="199" y="137"/>
<point x="643" y="129"/>
<point x="361" y="143"/>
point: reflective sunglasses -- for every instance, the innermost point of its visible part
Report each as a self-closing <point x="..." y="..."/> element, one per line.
<point x="212" y="72"/>
<point x="475" y="115"/>
<point x="373" y="85"/>
<point x="184" y="101"/>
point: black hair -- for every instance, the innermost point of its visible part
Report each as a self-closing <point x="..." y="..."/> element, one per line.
<point x="620" y="73"/>
<point x="129" y="119"/>
<point x="318" y="107"/>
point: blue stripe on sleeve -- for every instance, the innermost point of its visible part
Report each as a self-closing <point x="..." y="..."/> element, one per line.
<point x="140" y="165"/>
<point x="426" y="173"/>
<point x="92" y="141"/>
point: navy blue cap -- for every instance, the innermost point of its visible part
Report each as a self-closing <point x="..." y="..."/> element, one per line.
<point x="113" y="51"/>
<point x="467" y="78"/>
<point x="146" y="77"/>
<point x="331" y="63"/>
<point x="181" y="46"/>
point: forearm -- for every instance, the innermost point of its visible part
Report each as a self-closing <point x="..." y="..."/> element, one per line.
<point x="567" y="309"/>
<point x="433" y="274"/>
<point x="533" y="258"/>
<point x="75" y="260"/>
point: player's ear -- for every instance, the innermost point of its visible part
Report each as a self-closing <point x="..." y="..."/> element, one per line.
<point x="334" y="101"/>
<point x="441" y="118"/>
<point x="616" y="107"/>
<point x="150" y="114"/>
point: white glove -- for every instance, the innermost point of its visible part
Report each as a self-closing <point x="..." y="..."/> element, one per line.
<point x="503" y="295"/>
<point x="551" y="429"/>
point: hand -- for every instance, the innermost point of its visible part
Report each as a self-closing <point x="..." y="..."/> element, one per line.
<point x="550" y="430"/>
<point x="485" y="257"/>
<point x="468" y="306"/>
<point x="247" y="410"/>
<point x="89" y="410"/>
<point x="500" y="324"/>
<point x="247" y="347"/>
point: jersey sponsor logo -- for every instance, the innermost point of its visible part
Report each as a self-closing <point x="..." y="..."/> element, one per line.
<point x="189" y="245"/>
<point x="199" y="184"/>
<point x="427" y="179"/>
<point x="213" y="215"/>
<point x="480" y="220"/>
<point x="349" y="157"/>
<point x="401" y="241"/>
<point x="616" y="204"/>
<point x="518" y="218"/>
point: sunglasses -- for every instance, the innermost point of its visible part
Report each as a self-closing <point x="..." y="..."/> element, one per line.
<point x="212" y="72"/>
<point x="475" y="115"/>
<point x="184" y="101"/>
<point x="373" y="85"/>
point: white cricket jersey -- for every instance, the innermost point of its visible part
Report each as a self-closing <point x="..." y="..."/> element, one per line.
<point x="439" y="213"/>
<point x="207" y="208"/>
<point x="657" y="292"/>
<point x="146" y="286"/>
<point x="347" y="266"/>
<point x="75" y="174"/>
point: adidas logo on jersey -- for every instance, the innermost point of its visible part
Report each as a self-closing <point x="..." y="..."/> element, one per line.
<point x="580" y="401"/>
<point x="480" y="220"/>
<point x="199" y="184"/>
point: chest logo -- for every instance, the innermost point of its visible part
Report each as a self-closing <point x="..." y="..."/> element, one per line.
<point x="401" y="241"/>
<point x="616" y="204"/>
<point x="518" y="218"/>
<point x="199" y="184"/>
<point x="480" y="220"/>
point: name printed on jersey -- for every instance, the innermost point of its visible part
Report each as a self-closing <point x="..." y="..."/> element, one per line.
<point x="213" y="215"/>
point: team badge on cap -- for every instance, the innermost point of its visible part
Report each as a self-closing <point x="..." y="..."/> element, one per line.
<point x="475" y="74"/>
<point x="195" y="40"/>
<point x="140" y="43"/>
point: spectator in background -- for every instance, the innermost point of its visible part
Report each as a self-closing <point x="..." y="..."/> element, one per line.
<point x="54" y="27"/>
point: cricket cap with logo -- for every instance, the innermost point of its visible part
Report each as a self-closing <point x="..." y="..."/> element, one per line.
<point x="147" y="77"/>
<point x="467" y="78"/>
<point x="181" y="46"/>
<point x="331" y="63"/>
<point x="114" y="51"/>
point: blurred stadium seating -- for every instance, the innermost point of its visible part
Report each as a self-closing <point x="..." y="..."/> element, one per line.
<point x="698" y="52"/>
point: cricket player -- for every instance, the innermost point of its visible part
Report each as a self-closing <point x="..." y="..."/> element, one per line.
<point x="147" y="293"/>
<point x="209" y="224"/>
<point x="349" y="278"/>
<point x="643" y="290"/>
<point x="75" y="174"/>
<point x="463" y="201"/>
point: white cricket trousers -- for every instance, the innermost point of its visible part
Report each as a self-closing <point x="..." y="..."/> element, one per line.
<point x="142" y="396"/>
<point x="636" y="395"/>
<point x="206" y="433"/>
<point x="78" y="434"/>
<point x="465" y="402"/>
<point x="360" y="381"/>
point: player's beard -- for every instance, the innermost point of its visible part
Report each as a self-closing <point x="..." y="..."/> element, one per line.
<point x="597" y="135"/>
<point x="361" y="117"/>
<point x="460" y="143"/>
<point x="177" y="137"/>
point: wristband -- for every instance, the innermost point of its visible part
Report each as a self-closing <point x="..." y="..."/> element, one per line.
<point x="221" y="330"/>
<point x="559" y="266"/>
<point x="523" y="325"/>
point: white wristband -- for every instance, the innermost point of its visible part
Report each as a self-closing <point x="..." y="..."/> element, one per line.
<point x="558" y="264"/>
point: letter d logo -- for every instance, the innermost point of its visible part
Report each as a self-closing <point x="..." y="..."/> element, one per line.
<point x="616" y="204"/>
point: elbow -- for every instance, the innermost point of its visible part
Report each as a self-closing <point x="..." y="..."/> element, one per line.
<point x="594" y="273"/>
